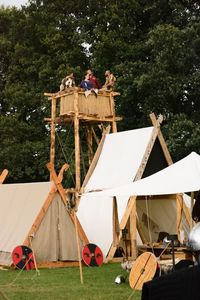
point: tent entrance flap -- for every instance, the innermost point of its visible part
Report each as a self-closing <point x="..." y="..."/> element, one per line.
<point x="156" y="216"/>
<point x="58" y="243"/>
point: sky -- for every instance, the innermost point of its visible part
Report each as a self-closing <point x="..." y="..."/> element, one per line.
<point x="17" y="3"/>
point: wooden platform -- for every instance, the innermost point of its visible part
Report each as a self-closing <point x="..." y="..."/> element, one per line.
<point x="179" y="252"/>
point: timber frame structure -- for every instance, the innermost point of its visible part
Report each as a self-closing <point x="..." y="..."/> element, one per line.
<point x="130" y="222"/>
<point x="130" y="217"/>
<point x="72" y="106"/>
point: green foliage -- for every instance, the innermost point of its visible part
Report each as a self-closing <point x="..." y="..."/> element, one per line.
<point x="183" y="136"/>
<point x="153" y="48"/>
<point x="39" y="46"/>
<point x="23" y="149"/>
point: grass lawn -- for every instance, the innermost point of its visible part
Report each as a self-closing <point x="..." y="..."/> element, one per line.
<point x="64" y="283"/>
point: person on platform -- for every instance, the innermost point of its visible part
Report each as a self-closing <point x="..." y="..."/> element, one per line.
<point x="110" y="80"/>
<point x="95" y="83"/>
<point x="67" y="82"/>
<point x="86" y="84"/>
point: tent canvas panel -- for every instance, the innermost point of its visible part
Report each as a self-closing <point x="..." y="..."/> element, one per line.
<point x="120" y="159"/>
<point x="96" y="218"/>
<point x="20" y="204"/>
<point x="55" y="237"/>
<point x="180" y="177"/>
<point x="157" y="215"/>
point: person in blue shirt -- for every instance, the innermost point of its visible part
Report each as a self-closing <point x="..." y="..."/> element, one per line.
<point x="86" y="83"/>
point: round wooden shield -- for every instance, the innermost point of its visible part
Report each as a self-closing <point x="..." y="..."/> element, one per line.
<point x="143" y="269"/>
<point x="22" y="257"/>
<point x="92" y="255"/>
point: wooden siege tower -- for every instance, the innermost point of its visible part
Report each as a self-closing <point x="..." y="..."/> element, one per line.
<point x="73" y="107"/>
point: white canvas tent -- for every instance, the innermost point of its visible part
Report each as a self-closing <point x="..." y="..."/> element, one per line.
<point x="35" y="212"/>
<point x="117" y="163"/>
<point x="125" y="157"/>
<point x="181" y="177"/>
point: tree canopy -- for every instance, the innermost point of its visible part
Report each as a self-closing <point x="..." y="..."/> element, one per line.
<point x="152" y="47"/>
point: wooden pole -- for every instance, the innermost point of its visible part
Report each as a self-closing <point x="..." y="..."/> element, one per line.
<point x="133" y="229"/>
<point x="53" y="130"/>
<point x="33" y="253"/>
<point x="156" y="123"/>
<point x="122" y="225"/>
<point x="179" y="210"/>
<point x="78" y="248"/>
<point x="77" y="143"/>
<point x="115" y="223"/>
<point x="140" y="231"/>
<point x="89" y="144"/>
<point x="95" y="136"/>
<point x="192" y="205"/>
<point x="3" y="175"/>
<point x="112" y="106"/>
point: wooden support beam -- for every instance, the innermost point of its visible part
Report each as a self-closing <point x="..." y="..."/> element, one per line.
<point x="156" y="123"/>
<point x="184" y="209"/>
<point x="3" y="175"/>
<point x="49" y="94"/>
<point x="192" y="205"/>
<point x="116" y="230"/>
<point x="77" y="143"/>
<point x="133" y="228"/>
<point x="86" y="119"/>
<point x="53" y="130"/>
<point x="95" y="136"/>
<point x="147" y="153"/>
<point x="140" y="231"/>
<point x="64" y="199"/>
<point x="79" y="91"/>
<point x="112" y="106"/>
<point x="122" y="225"/>
<point x="179" y="209"/>
<point x="57" y="264"/>
<point x="72" y="214"/>
<point x="89" y="144"/>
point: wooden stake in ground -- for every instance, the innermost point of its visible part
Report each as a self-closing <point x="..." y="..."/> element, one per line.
<point x="78" y="247"/>
<point x="33" y="253"/>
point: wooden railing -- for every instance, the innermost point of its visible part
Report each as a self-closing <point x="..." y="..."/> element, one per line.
<point x="101" y="105"/>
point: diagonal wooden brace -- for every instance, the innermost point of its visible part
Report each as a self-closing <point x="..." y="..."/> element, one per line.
<point x="3" y="175"/>
<point x="58" y="184"/>
<point x="79" y="230"/>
